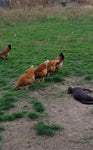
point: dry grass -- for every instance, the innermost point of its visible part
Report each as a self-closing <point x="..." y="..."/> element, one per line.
<point x="11" y="16"/>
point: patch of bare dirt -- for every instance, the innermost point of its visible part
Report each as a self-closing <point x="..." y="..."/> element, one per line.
<point x="76" y="118"/>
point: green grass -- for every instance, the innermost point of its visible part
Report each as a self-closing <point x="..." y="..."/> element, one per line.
<point x="1" y="138"/>
<point x="34" y="42"/>
<point x="28" y="142"/>
<point x="46" y="130"/>
<point x="89" y="77"/>
<point x="2" y="128"/>
<point x="55" y="78"/>
<point x="6" y="101"/>
<point x="37" y="86"/>
<point x="1" y="112"/>
<point x="11" y="117"/>
<point x="37" y="105"/>
<point x="34" y="115"/>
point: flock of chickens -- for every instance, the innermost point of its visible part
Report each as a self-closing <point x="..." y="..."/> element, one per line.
<point x="40" y="71"/>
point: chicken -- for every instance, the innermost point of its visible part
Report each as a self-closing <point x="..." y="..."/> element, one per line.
<point x="51" y="66"/>
<point x="41" y="70"/>
<point x="60" y="63"/>
<point x="27" y="78"/>
<point x="5" y="52"/>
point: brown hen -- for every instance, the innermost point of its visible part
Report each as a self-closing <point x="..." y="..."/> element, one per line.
<point x="5" y="52"/>
<point x="51" y="66"/>
<point x="41" y="70"/>
<point x="27" y="78"/>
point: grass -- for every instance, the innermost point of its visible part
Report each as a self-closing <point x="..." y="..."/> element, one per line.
<point x="37" y="105"/>
<point x="34" y="115"/>
<point x="11" y="117"/>
<point x="28" y="142"/>
<point x="54" y="78"/>
<point x="2" y="128"/>
<point x="6" y="101"/>
<point x="1" y="112"/>
<point x="37" y="86"/>
<point x="88" y="77"/>
<point x="32" y="46"/>
<point x="46" y="130"/>
<point x="1" y="138"/>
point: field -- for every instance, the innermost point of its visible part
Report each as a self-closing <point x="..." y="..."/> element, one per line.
<point x="36" y="37"/>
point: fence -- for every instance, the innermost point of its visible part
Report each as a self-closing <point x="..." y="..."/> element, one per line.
<point x="29" y="3"/>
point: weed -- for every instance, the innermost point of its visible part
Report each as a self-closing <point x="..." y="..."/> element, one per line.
<point x="46" y="130"/>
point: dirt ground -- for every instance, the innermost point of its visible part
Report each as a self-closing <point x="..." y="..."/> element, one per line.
<point x="76" y="118"/>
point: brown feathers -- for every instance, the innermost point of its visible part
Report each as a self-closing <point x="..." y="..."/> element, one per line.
<point x="41" y="70"/>
<point x="5" y="52"/>
<point x="26" y="78"/>
<point x="52" y="65"/>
